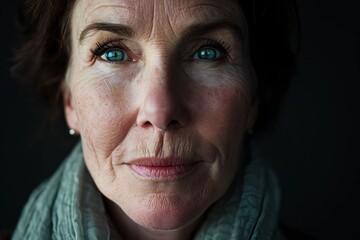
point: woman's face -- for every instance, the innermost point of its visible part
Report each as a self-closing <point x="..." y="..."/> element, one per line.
<point x="161" y="94"/>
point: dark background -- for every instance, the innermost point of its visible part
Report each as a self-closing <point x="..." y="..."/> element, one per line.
<point x="314" y="147"/>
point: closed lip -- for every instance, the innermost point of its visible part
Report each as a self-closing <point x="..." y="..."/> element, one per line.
<point x="170" y="168"/>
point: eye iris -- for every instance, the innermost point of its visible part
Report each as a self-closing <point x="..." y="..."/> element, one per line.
<point x="116" y="55"/>
<point x="207" y="53"/>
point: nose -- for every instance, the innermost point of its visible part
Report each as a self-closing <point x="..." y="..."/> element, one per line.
<point x="162" y="105"/>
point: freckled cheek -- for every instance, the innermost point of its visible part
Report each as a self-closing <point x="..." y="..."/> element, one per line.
<point x="224" y="91"/>
<point x="227" y="116"/>
<point x="104" y="111"/>
<point x="211" y="75"/>
<point x="224" y="112"/>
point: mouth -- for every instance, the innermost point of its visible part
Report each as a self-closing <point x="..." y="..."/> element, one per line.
<point x="162" y="169"/>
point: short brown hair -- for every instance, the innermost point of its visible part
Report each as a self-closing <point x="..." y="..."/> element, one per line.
<point x="43" y="57"/>
<point x="274" y="40"/>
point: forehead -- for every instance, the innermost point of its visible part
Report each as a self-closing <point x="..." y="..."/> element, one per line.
<point x="150" y="16"/>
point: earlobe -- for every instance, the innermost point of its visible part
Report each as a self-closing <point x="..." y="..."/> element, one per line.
<point x="70" y="113"/>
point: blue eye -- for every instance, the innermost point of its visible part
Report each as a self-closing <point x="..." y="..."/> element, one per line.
<point x="208" y="53"/>
<point x="116" y="55"/>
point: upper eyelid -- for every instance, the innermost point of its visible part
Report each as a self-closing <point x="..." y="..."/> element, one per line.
<point x="189" y="51"/>
<point x="199" y="42"/>
<point x="107" y="45"/>
<point x="117" y="44"/>
<point x="214" y="43"/>
<point x="194" y="31"/>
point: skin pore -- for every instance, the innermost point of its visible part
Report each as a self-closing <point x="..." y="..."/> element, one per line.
<point x="165" y="80"/>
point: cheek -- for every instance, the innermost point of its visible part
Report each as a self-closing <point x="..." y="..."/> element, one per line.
<point x="224" y="125"/>
<point x="217" y="74"/>
<point x="103" y="108"/>
<point x="225" y="98"/>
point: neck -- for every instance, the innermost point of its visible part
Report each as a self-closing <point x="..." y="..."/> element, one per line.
<point x="128" y="229"/>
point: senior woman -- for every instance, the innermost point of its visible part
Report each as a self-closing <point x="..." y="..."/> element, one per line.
<point x="163" y="95"/>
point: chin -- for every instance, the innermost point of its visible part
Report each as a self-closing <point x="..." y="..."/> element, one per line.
<point x="164" y="212"/>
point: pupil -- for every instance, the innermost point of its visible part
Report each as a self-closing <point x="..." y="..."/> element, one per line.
<point x="208" y="53"/>
<point x="115" y="55"/>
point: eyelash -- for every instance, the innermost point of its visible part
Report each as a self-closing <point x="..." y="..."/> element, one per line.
<point x="102" y="47"/>
<point x="209" y="43"/>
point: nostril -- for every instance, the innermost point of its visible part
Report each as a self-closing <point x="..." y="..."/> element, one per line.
<point x="146" y="124"/>
<point x="173" y="123"/>
<point x="166" y="126"/>
<point x="169" y="125"/>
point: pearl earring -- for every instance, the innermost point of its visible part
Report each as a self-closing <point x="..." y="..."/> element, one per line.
<point x="72" y="132"/>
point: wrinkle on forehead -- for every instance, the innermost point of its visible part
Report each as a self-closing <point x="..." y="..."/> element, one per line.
<point x="161" y="19"/>
<point x="218" y="7"/>
<point x="104" y="6"/>
<point x="166" y="18"/>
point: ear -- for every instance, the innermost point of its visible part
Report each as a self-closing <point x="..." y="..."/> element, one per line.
<point x="70" y="113"/>
<point x="253" y="112"/>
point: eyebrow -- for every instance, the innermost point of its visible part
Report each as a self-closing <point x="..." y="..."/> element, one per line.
<point x="206" y="28"/>
<point x="197" y="29"/>
<point x="116" y="28"/>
